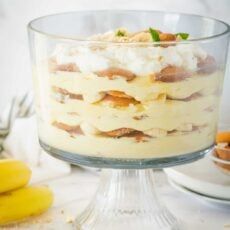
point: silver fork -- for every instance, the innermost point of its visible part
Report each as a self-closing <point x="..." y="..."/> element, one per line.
<point x="19" y="108"/>
<point x="4" y="129"/>
<point x="26" y="107"/>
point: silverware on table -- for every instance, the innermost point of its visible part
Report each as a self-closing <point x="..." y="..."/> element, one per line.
<point x="20" y="107"/>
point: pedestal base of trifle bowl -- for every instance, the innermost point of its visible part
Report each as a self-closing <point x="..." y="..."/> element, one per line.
<point x="126" y="197"/>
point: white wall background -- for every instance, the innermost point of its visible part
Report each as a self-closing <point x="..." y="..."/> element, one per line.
<point x="15" y="76"/>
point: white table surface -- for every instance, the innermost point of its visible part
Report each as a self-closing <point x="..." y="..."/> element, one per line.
<point x="74" y="191"/>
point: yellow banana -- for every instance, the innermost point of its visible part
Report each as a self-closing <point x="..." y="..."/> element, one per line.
<point x="19" y="204"/>
<point x="13" y="174"/>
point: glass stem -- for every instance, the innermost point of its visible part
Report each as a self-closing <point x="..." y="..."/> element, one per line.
<point x="126" y="199"/>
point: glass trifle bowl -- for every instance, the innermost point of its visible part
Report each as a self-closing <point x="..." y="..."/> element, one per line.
<point x="129" y="91"/>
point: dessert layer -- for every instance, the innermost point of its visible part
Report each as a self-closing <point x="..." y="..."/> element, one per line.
<point x="93" y="88"/>
<point x="139" y="59"/>
<point x="129" y="100"/>
<point x="126" y="147"/>
<point x="168" y="115"/>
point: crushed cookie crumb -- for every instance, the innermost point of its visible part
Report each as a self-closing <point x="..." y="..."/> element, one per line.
<point x="69" y="219"/>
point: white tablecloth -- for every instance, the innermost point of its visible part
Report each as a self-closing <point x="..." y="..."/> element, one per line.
<point x="73" y="192"/>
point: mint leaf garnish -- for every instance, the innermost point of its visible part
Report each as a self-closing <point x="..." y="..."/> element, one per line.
<point x="154" y="34"/>
<point x="184" y="36"/>
<point x="120" y="33"/>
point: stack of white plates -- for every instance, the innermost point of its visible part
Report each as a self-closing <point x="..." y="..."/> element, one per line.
<point x="201" y="179"/>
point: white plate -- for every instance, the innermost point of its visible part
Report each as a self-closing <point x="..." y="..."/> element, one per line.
<point x="202" y="177"/>
<point x="198" y="195"/>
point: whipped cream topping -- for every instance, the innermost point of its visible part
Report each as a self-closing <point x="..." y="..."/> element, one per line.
<point x="139" y="60"/>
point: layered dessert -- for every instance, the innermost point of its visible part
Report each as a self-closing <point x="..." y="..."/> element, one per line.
<point x="129" y="95"/>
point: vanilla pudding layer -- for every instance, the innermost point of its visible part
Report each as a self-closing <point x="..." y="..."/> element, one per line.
<point x="127" y="147"/>
<point x="142" y="88"/>
<point x="169" y="118"/>
<point x="153" y="111"/>
<point x="167" y="115"/>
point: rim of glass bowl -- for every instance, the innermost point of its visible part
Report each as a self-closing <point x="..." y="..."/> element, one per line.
<point x="202" y="39"/>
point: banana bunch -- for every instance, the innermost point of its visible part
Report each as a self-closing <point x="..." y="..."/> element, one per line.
<point x="18" y="201"/>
